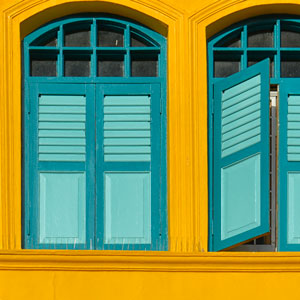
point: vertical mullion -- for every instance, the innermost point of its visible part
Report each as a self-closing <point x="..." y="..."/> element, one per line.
<point x="99" y="177"/>
<point x="60" y="59"/>
<point x="244" y="46"/>
<point x="277" y="46"/>
<point x="90" y="165"/>
<point x="127" y="58"/>
<point x="93" y="45"/>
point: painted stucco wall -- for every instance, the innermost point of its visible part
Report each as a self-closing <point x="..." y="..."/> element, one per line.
<point x="187" y="271"/>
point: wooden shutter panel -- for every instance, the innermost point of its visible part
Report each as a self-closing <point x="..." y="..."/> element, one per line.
<point x="60" y="143"/>
<point x="128" y="166"/>
<point x="241" y="157"/>
<point x="289" y="166"/>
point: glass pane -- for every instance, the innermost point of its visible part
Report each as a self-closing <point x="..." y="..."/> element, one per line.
<point x="51" y="42"/>
<point x="144" y="67"/>
<point x="78" y="38"/>
<point x="108" y="67"/>
<point x="252" y="62"/>
<point x="224" y="68"/>
<point x="138" y="41"/>
<point x="48" y="40"/>
<point x="110" y="37"/>
<point x="77" y="67"/>
<point x="43" y="67"/>
<point x="233" y="41"/>
<point x="290" y="68"/>
<point x="290" y="38"/>
<point x="263" y="38"/>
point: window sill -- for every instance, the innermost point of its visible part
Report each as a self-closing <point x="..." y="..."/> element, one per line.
<point x="148" y="261"/>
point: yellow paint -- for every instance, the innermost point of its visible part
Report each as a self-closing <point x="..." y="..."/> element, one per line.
<point x="187" y="271"/>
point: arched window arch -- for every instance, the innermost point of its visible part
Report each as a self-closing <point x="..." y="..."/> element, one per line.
<point x="254" y="140"/>
<point x="94" y="142"/>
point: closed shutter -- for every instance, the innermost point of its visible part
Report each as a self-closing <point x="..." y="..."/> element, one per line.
<point x="60" y="168"/>
<point x="241" y="157"/>
<point x="289" y="166"/>
<point x="128" y="166"/>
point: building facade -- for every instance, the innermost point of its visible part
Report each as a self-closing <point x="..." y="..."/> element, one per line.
<point x="180" y="177"/>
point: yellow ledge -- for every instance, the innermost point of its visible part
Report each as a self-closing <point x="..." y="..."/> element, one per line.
<point x="148" y="262"/>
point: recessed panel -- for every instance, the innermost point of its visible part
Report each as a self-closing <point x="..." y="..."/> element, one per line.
<point x="127" y="208"/>
<point x="240" y="197"/>
<point x="293" y="208"/>
<point x="62" y="208"/>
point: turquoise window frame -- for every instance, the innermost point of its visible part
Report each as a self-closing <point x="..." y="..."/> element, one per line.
<point x="215" y="48"/>
<point x="94" y="87"/>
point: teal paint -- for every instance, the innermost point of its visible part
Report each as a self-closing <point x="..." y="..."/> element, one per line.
<point x="61" y="133"/>
<point x="241" y="158"/>
<point x="62" y="100"/>
<point x="127" y="157"/>
<point x="127" y="133"/>
<point x="62" y="208"/>
<point x="293" y="208"/>
<point x="240" y="197"/>
<point x="135" y="100"/>
<point x="127" y="208"/>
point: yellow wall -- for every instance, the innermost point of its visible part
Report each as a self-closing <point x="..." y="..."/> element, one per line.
<point x="187" y="271"/>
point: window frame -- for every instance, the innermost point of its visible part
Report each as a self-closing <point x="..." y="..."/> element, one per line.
<point x="243" y="51"/>
<point x="159" y="81"/>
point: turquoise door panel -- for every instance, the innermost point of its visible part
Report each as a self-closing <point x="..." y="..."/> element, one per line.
<point x="62" y="208"/>
<point x="240" y="197"/>
<point x="241" y="157"/>
<point x="289" y="166"/>
<point x="127" y="208"/>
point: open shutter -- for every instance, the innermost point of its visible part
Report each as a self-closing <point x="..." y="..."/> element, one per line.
<point x="129" y="167"/>
<point x="241" y="157"/>
<point x="289" y="165"/>
<point x="59" y="166"/>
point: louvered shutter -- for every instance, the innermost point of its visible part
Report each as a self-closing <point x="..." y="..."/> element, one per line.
<point x="59" y="167"/>
<point x="241" y="157"/>
<point x="289" y="166"/>
<point x="128" y="166"/>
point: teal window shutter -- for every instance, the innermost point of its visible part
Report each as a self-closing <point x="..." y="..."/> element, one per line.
<point x="289" y="166"/>
<point x="241" y="157"/>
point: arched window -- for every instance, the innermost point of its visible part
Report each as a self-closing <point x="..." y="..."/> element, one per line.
<point x="94" y="142"/>
<point x="254" y="143"/>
